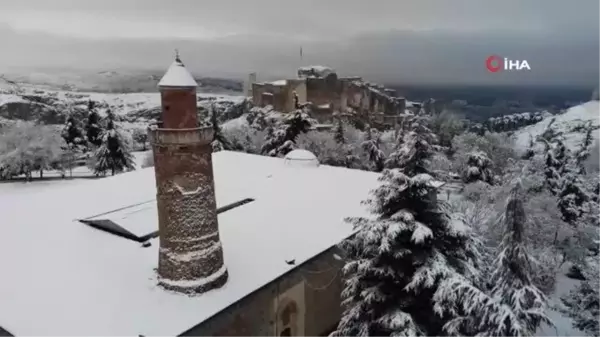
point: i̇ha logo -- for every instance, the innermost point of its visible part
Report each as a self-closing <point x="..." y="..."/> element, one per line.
<point x="495" y="63"/>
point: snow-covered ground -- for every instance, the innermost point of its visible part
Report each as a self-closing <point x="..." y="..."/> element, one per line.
<point x="578" y="115"/>
<point x="563" y="325"/>
<point x="54" y="179"/>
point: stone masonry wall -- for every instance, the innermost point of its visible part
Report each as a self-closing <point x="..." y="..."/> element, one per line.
<point x="190" y="254"/>
<point x="256" y="314"/>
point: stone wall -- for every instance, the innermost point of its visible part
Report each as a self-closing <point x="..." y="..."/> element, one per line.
<point x="190" y="249"/>
<point x="305" y="300"/>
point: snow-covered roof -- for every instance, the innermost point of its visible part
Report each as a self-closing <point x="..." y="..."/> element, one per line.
<point x="61" y="277"/>
<point x="315" y="71"/>
<point x="279" y="83"/>
<point x="177" y="76"/>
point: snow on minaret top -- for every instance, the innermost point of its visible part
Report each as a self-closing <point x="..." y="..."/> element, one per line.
<point x="177" y="76"/>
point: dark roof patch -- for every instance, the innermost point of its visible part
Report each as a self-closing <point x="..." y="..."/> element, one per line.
<point x="111" y="227"/>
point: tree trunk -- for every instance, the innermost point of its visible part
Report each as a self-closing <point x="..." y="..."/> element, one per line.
<point x="41" y="174"/>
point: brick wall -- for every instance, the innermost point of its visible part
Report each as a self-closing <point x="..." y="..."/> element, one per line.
<point x="256" y="314"/>
<point x="179" y="108"/>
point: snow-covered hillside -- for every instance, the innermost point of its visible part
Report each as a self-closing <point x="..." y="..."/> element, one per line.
<point x="568" y="123"/>
<point x="51" y="107"/>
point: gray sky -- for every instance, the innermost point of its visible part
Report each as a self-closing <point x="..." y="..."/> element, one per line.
<point x="388" y="40"/>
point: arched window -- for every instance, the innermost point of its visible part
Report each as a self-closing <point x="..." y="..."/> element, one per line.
<point x="288" y="318"/>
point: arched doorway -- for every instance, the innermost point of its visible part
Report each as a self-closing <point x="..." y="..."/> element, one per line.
<point x="287" y="318"/>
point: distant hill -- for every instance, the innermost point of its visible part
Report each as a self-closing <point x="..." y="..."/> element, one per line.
<point x="569" y="124"/>
<point x="115" y="81"/>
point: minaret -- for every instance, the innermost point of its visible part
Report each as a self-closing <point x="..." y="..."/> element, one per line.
<point x="190" y="255"/>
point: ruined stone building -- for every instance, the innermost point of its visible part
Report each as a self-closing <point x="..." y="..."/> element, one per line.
<point x="204" y="243"/>
<point x="329" y="93"/>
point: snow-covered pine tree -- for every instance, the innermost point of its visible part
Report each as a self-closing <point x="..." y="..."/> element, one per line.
<point x="297" y="122"/>
<point x="71" y="133"/>
<point x="583" y="152"/>
<point x="75" y="143"/>
<point x="572" y="197"/>
<point x="282" y="139"/>
<point x="556" y="160"/>
<point x="114" y="153"/>
<point x="479" y="168"/>
<point x="415" y="149"/>
<point x="339" y="135"/>
<point x="512" y="278"/>
<point x="510" y="304"/>
<point x="530" y="152"/>
<point x="93" y="129"/>
<point x="398" y="258"/>
<point x="371" y="145"/>
<point x="583" y="302"/>
<point x="219" y="142"/>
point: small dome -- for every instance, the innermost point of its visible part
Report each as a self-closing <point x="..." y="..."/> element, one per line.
<point x="301" y="158"/>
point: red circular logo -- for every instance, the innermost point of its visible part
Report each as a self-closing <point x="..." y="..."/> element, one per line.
<point x="493" y="63"/>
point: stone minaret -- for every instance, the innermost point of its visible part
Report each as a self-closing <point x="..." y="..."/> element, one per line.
<point x="190" y="257"/>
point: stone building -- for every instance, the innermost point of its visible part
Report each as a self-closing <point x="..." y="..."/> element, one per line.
<point x="329" y="93"/>
<point x="202" y="244"/>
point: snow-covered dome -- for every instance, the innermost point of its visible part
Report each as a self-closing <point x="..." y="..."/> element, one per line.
<point x="301" y="158"/>
<point x="177" y="76"/>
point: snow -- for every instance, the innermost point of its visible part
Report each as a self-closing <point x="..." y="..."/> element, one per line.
<point x="279" y="82"/>
<point x="236" y="123"/>
<point x="71" y="279"/>
<point x="10" y="98"/>
<point x="564" y="325"/>
<point x="577" y="115"/>
<point x="300" y="154"/>
<point x="177" y="76"/>
<point x="195" y="283"/>
<point x="315" y="71"/>
<point x="119" y="103"/>
<point x="301" y="158"/>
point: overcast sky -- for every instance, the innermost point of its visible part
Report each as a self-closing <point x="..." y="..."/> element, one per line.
<point x="403" y="40"/>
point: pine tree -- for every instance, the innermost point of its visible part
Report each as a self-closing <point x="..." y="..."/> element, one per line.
<point x="398" y="258"/>
<point x="583" y="152"/>
<point x="297" y="122"/>
<point x="479" y="168"/>
<point x="282" y="139"/>
<point x="371" y="146"/>
<point x="113" y="154"/>
<point x="512" y="277"/>
<point x="583" y="302"/>
<point x="71" y="133"/>
<point x="74" y="140"/>
<point x="572" y="198"/>
<point x="530" y="152"/>
<point x="509" y="304"/>
<point x="93" y="129"/>
<point x="556" y="160"/>
<point x="339" y="135"/>
<point x="415" y="150"/>
<point x="219" y="142"/>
